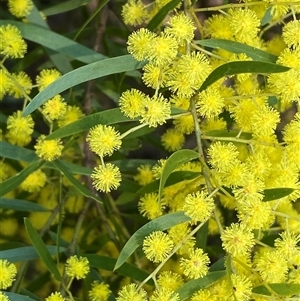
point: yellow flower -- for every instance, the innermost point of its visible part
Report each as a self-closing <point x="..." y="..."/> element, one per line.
<point x="164" y="294"/>
<point x="157" y="246"/>
<point x="139" y="43"/>
<point x="20" y="8"/>
<point x="287" y="244"/>
<point x="198" y="206"/>
<point x="56" y="296"/>
<point x="217" y="27"/>
<point x="48" y="150"/>
<point x="8" y="273"/>
<point x="237" y="240"/>
<point x="103" y="140"/>
<point x="77" y="267"/>
<point x="149" y="207"/>
<point x="131" y="292"/>
<point x="134" y="12"/>
<point x="72" y="114"/>
<point x="6" y="82"/>
<point x="195" y="266"/>
<point x="11" y="42"/>
<point x="291" y="33"/>
<point x="172" y="140"/>
<point x="181" y="28"/>
<point x="46" y="77"/>
<point x="54" y="108"/>
<point x="106" y="177"/>
<point x="155" y="76"/>
<point x="34" y="182"/>
<point x="144" y="175"/>
<point x="21" y="85"/>
<point x="242" y="287"/>
<point x="170" y="280"/>
<point x="3" y="297"/>
<point x="99" y="291"/>
<point x="156" y="111"/>
<point x="19" y="128"/>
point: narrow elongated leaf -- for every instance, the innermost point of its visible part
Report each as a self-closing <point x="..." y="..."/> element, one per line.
<point x="26" y="253"/>
<point x="64" y="7"/>
<point x="18" y="153"/>
<point x="127" y="269"/>
<point x="17" y="179"/>
<point x="56" y="42"/>
<point x="282" y="289"/>
<point x="231" y="133"/>
<point x="21" y="205"/>
<point x="107" y="117"/>
<point x="276" y="193"/>
<point x="83" y="74"/>
<point x="159" y="224"/>
<point x="233" y="68"/>
<point x="267" y="17"/>
<point x="77" y="184"/>
<point x="160" y="16"/>
<point x="71" y="167"/>
<point x="189" y="288"/>
<point x="174" y="161"/>
<point x="17" y="297"/>
<point x="236" y="47"/>
<point x="42" y="250"/>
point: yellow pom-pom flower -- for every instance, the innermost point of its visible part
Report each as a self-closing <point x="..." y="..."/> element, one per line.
<point x="155" y="111"/>
<point x="157" y="246"/>
<point x="218" y="27"/>
<point x="34" y="182"/>
<point x="210" y="103"/>
<point x="77" y="267"/>
<point x="131" y="292"/>
<point x="131" y="103"/>
<point x="163" y="293"/>
<point x="48" y="150"/>
<point x="3" y="297"/>
<point x="106" y="177"/>
<point x="56" y="296"/>
<point x="20" y="8"/>
<point x="21" y="85"/>
<point x="11" y="42"/>
<point x="170" y="280"/>
<point x="99" y="291"/>
<point x="8" y="273"/>
<point x="196" y="265"/>
<point x="149" y="207"/>
<point x="103" y="140"/>
<point x="46" y="77"/>
<point x="181" y="28"/>
<point x="291" y="33"/>
<point x="288" y="244"/>
<point x="155" y="76"/>
<point x="144" y="175"/>
<point x="19" y="128"/>
<point x="237" y="240"/>
<point x="6" y="82"/>
<point x="198" y="206"/>
<point x="242" y="287"/>
<point x="72" y="114"/>
<point x="54" y="108"/>
<point x="140" y="42"/>
<point x="134" y="12"/>
<point x="172" y="140"/>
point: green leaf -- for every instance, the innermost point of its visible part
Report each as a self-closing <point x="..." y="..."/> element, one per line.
<point x="239" y="67"/>
<point x="159" y="224"/>
<point x="17" y="297"/>
<point x="56" y="42"/>
<point x="127" y="269"/>
<point x="71" y="167"/>
<point x="77" y="184"/>
<point x="231" y="133"/>
<point x="160" y="16"/>
<point x="236" y="47"/>
<point x="64" y="7"/>
<point x="17" y="179"/>
<point x="282" y="289"/>
<point x="189" y="288"/>
<point x="18" y="153"/>
<point x="267" y="17"/>
<point x="42" y="250"/>
<point x="174" y="161"/>
<point x="21" y="205"/>
<point x="276" y="193"/>
<point x="26" y="253"/>
<point x="107" y="117"/>
<point x="83" y="74"/>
